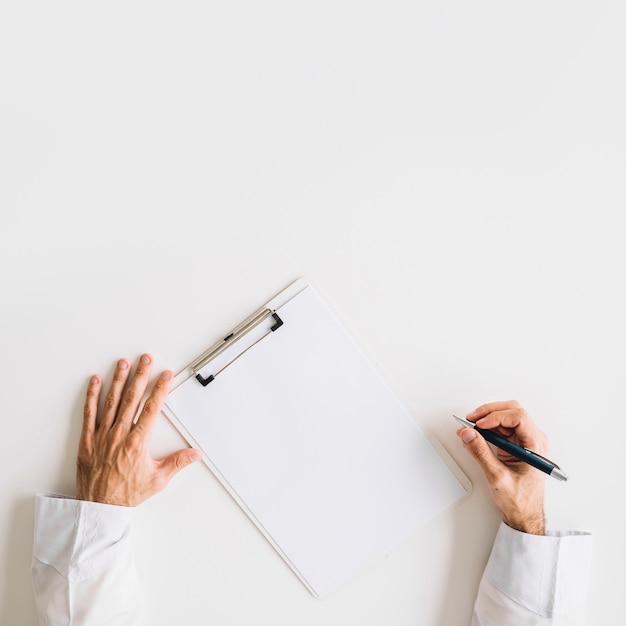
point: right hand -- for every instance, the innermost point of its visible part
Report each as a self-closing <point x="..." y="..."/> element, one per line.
<point x="516" y="488"/>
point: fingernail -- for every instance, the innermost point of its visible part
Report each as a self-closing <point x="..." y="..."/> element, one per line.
<point x="145" y="359"/>
<point x="468" y="435"/>
<point x="94" y="380"/>
<point x="122" y="365"/>
<point x="195" y="455"/>
<point x="166" y="375"/>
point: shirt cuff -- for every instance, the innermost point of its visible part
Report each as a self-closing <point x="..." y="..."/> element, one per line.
<point x="549" y="574"/>
<point x="80" y="539"/>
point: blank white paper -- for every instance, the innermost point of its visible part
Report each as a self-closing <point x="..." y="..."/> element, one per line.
<point x="305" y="432"/>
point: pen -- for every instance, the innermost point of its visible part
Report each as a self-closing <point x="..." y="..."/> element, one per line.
<point x="523" y="454"/>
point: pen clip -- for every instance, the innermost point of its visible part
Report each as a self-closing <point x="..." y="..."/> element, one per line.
<point x="543" y="458"/>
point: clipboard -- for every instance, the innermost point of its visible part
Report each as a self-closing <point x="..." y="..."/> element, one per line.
<point x="311" y="442"/>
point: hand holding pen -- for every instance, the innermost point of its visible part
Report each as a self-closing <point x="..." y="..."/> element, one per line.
<point x="516" y="487"/>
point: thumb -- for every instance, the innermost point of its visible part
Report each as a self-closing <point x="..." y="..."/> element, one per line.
<point x="476" y="445"/>
<point x="173" y="463"/>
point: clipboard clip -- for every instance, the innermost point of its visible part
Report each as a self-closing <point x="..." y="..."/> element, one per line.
<point x="238" y="333"/>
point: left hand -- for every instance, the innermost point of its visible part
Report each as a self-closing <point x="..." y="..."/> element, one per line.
<point x="114" y="465"/>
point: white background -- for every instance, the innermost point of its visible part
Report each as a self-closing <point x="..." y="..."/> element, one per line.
<point x="451" y="175"/>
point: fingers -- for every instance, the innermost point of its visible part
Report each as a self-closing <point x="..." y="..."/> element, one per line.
<point x="173" y="463"/>
<point x="511" y="420"/>
<point x="154" y="403"/>
<point x="135" y="390"/>
<point x="112" y="400"/>
<point x="504" y="417"/>
<point x="492" y="407"/>
<point x="475" y="444"/>
<point x="90" y="414"/>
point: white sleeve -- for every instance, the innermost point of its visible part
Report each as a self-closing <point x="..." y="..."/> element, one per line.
<point x="82" y="568"/>
<point x="535" y="580"/>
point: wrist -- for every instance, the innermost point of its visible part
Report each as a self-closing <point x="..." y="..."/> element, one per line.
<point x="530" y="524"/>
<point x="91" y="491"/>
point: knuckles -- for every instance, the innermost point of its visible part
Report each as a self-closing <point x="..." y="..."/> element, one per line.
<point x="180" y="461"/>
<point x="130" y="395"/>
<point x="110" y="402"/>
<point x="150" y="407"/>
<point x="134" y="440"/>
<point x="116" y="436"/>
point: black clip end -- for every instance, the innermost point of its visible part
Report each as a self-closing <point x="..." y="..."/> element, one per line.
<point x="204" y="381"/>
<point x="278" y="324"/>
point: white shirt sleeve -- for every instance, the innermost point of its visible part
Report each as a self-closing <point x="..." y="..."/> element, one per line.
<point x="82" y="569"/>
<point x="83" y="572"/>
<point x="535" y="580"/>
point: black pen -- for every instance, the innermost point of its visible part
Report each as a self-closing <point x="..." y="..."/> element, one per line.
<point x="523" y="454"/>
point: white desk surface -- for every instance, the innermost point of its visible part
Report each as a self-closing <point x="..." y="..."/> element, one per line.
<point x="451" y="175"/>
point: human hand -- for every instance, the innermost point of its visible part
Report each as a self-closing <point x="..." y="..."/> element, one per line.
<point x="114" y="465"/>
<point x="516" y="488"/>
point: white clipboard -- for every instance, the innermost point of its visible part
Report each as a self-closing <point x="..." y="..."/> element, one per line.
<point x="310" y="440"/>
